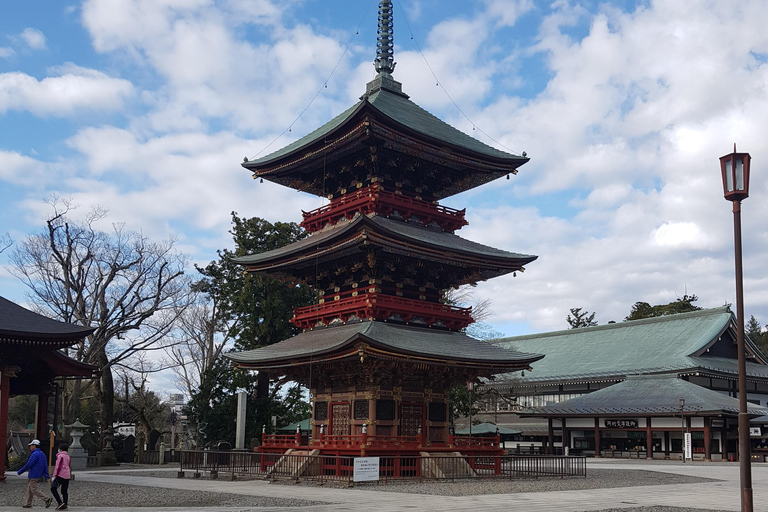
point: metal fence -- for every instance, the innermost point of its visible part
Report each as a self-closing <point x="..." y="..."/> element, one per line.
<point x="341" y="467"/>
<point x="153" y="456"/>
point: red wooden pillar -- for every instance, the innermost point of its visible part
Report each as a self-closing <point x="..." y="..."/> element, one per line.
<point x="5" y="388"/>
<point x="41" y="428"/>
<point x="648" y="439"/>
<point x="597" y="438"/>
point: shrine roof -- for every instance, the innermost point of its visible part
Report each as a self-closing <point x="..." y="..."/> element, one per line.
<point x="20" y="325"/>
<point x="684" y="343"/>
<point x="648" y="395"/>
<point x="384" y="97"/>
<point x="396" y="340"/>
<point x="365" y="225"/>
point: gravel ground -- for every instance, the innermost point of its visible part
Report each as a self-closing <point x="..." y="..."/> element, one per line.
<point x="596" y="479"/>
<point x="659" y="509"/>
<point x="98" y="494"/>
<point x="94" y="494"/>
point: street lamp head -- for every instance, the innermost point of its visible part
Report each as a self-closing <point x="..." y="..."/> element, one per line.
<point x="735" y="172"/>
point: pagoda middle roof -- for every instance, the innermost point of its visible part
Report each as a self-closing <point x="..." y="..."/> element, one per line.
<point x="367" y="226"/>
<point x="385" y="100"/>
<point x="417" y="343"/>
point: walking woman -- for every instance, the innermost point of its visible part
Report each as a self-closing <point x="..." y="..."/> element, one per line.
<point x="61" y="475"/>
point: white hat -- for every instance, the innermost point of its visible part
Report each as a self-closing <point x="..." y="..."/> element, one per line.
<point x="34" y="442"/>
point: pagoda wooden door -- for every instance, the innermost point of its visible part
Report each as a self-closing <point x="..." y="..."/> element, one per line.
<point x="340" y="419"/>
<point x="411" y="418"/>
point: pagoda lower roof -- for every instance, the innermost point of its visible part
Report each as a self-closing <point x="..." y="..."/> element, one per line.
<point x="414" y="238"/>
<point x="384" y="105"/>
<point x="386" y="340"/>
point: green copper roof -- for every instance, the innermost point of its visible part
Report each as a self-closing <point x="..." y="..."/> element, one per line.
<point x="688" y="341"/>
<point x="486" y="428"/>
<point x="383" y="97"/>
<point x="417" y="235"/>
<point x="648" y="395"/>
<point x="403" y="340"/>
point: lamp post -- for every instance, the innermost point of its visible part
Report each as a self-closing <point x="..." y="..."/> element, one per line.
<point x="735" y="172"/>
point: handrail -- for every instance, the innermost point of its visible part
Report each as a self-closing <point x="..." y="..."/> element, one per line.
<point x="383" y="300"/>
<point x="364" y="201"/>
<point x="370" y="305"/>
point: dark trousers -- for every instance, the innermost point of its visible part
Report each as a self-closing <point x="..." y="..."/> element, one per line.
<point x="64" y="486"/>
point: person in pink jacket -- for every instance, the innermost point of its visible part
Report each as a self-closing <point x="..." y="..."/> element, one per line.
<point x="61" y="476"/>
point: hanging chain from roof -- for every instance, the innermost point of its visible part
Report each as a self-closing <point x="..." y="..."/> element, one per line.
<point x="385" y="42"/>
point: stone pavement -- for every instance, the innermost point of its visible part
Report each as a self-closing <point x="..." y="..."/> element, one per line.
<point x="721" y="495"/>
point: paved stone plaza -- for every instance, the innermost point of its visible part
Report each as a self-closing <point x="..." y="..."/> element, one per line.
<point x="721" y="495"/>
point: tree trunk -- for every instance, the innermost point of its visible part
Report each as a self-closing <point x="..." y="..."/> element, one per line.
<point x="262" y="387"/>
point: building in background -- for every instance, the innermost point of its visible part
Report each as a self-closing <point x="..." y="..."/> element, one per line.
<point x="646" y="416"/>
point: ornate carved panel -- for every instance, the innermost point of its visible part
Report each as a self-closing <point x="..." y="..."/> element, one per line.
<point x="436" y="434"/>
<point x="410" y="419"/>
<point x="436" y="411"/>
<point x="321" y="411"/>
<point x="340" y="419"/>
<point x="385" y="409"/>
<point x="361" y="409"/>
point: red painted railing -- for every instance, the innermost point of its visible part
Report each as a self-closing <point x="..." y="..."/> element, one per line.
<point x="375" y="442"/>
<point x="375" y="199"/>
<point x="382" y="307"/>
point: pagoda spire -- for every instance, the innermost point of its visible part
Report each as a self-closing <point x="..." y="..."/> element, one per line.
<point x="385" y="41"/>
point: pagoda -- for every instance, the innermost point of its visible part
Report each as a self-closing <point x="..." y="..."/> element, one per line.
<point x="381" y="349"/>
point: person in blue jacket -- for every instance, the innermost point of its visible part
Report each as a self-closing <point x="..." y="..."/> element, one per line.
<point x="37" y="467"/>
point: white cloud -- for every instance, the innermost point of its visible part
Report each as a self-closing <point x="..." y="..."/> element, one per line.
<point x="624" y="136"/>
<point x="680" y="235"/>
<point x="17" y="168"/>
<point x="33" y="38"/>
<point x="6" y="52"/>
<point x="74" y="89"/>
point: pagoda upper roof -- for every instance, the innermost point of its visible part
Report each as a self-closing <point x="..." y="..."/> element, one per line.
<point x="389" y="340"/>
<point x="383" y="231"/>
<point x="385" y="103"/>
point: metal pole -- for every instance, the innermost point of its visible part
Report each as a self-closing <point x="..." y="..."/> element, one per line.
<point x="745" y="459"/>
<point x="682" y="429"/>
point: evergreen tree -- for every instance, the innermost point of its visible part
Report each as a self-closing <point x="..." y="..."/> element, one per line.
<point x="580" y="318"/>
<point x="680" y="305"/>
<point x="756" y="333"/>
<point x="255" y="311"/>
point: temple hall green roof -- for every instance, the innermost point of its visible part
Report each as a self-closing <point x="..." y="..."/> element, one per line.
<point x="649" y="395"/>
<point x="683" y="343"/>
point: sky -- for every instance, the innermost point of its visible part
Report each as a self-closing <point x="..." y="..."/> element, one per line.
<point x="148" y="107"/>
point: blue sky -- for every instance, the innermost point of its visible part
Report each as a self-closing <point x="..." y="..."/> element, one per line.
<point x="147" y="107"/>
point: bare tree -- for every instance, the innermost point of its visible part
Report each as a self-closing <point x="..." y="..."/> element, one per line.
<point x="129" y="288"/>
<point x="5" y="241"/>
<point x="201" y="337"/>
<point x="481" y="311"/>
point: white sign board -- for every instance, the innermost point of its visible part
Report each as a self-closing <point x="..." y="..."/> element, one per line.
<point x="755" y="432"/>
<point x="366" y="469"/>
<point x="688" y="446"/>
